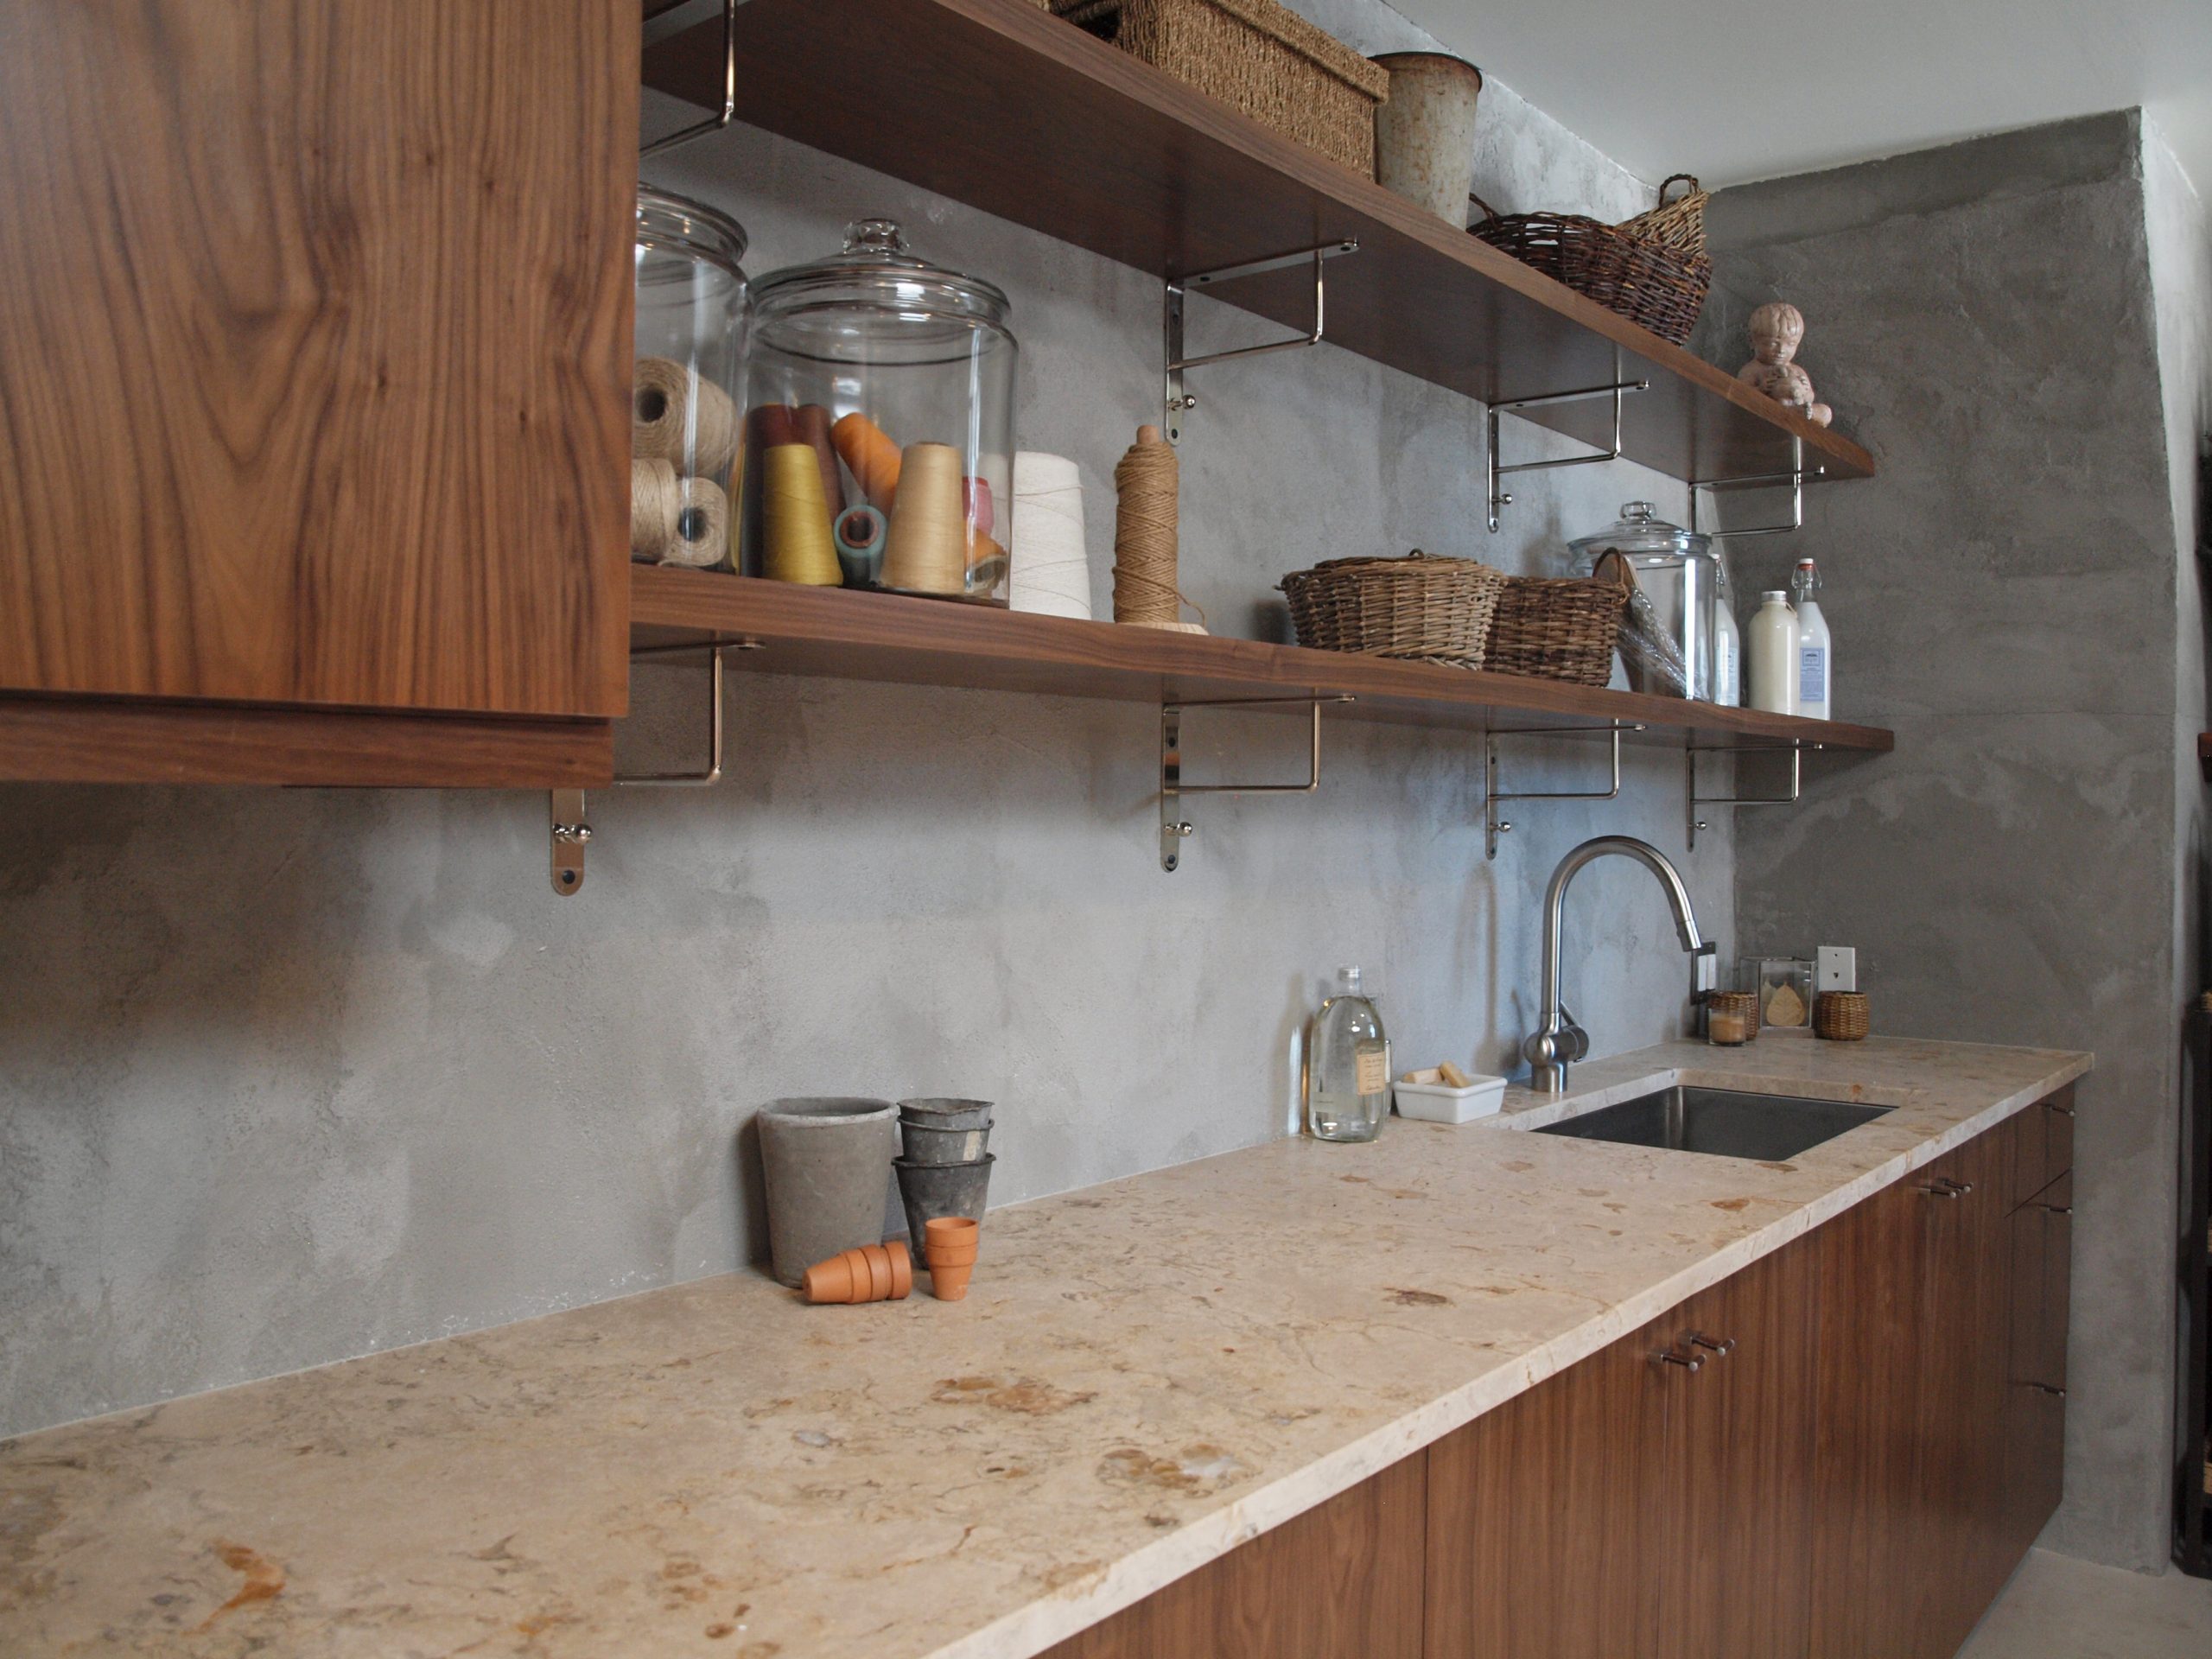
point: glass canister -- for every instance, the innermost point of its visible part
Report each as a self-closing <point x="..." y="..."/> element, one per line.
<point x="1667" y="636"/>
<point x="693" y="312"/>
<point x="878" y="431"/>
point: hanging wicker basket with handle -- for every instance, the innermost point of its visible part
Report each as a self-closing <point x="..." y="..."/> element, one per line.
<point x="1652" y="269"/>
<point x="1556" y="628"/>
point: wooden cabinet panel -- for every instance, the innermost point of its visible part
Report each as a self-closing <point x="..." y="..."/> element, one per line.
<point x="2041" y="1235"/>
<point x="1341" y="1581"/>
<point x="314" y="351"/>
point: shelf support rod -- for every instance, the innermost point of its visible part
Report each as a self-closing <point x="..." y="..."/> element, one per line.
<point x="1178" y="401"/>
<point x="1618" y="390"/>
<point x="674" y="21"/>
<point x="1494" y="826"/>
<point x="1794" y="478"/>
<point x="1690" y="752"/>
<point x="1174" y="829"/>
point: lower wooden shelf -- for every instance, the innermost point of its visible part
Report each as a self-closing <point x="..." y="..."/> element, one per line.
<point x="834" y="633"/>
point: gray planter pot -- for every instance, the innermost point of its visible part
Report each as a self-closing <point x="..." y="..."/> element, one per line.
<point x="1425" y="133"/>
<point x="943" y="1114"/>
<point x="826" y="1163"/>
<point x="932" y="1191"/>
<point x="930" y="1144"/>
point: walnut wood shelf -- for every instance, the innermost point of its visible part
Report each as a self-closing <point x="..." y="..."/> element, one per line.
<point x="838" y="634"/>
<point x="1000" y="104"/>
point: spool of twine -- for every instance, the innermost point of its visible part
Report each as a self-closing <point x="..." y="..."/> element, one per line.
<point x="873" y="460"/>
<point x="796" y="519"/>
<point x="702" y="536"/>
<point x="766" y="426"/>
<point x="810" y="426"/>
<point x="1051" y="567"/>
<point x="677" y="418"/>
<point x="653" y="508"/>
<point x="1144" y="536"/>
<point x="926" y="549"/>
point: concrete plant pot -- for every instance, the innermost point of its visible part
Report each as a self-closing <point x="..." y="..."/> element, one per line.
<point x="826" y="1164"/>
<point x="931" y="1191"/>
<point x="928" y="1143"/>
<point x="1425" y="133"/>
<point x="936" y="1113"/>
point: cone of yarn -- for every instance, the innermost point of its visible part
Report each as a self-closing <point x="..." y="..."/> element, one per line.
<point x="1051" y="566"/>
<point x="926" y="548"/>
<point x="702" y="536"/>
<point x="810" y="426"/>
<point x="873" y="458"/>
<point x="766" y="426"/>
<point x="859" y="534"/>
<point x="1144" y="536"/>
<point x="677" y="418"/>
<point x="795" y="519"/>
<point x="653" y="508"/>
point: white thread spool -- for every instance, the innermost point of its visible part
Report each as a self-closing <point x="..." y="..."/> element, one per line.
<point x="1051" y="567"/>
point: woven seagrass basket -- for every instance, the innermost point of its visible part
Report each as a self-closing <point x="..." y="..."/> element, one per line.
<point x="1842" y="1016"/>
<point x="1652" y="269"/>
<point x="1417" y="607"/>
<point x="1556" y="628"/>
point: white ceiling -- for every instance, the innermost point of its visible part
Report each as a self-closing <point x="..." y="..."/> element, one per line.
<point x="1733" y="90"/>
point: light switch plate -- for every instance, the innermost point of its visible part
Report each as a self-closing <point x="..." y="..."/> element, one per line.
<point x="1835" y="968"/>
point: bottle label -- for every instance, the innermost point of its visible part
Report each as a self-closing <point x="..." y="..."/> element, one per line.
<point x="1813" y="674"/>
<point x="1374" y="1068"/>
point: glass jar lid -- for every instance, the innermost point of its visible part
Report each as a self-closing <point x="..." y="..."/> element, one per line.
<point x="672" y="224"/>
<point x="875" y="277"/>
<point x="1642" y="534"/>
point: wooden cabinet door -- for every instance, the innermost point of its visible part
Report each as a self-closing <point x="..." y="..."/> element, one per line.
<point x="314" y="351"/>
<point x="1341" y="1581"/>
<point x="2041" y="1234"/>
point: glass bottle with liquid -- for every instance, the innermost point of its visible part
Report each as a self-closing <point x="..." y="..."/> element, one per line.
<point x="1349" y="1091"/>
<point x="1815" y="658"/>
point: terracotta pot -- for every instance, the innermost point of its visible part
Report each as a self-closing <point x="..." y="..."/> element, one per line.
<point x="902" y="1268"/>
<point x="832" y="1279"/>
<point x="950" y="1284"/>
<point x="879" y="1273"/>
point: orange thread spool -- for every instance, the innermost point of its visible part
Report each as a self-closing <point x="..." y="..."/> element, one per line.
<point x="874" y="460"/>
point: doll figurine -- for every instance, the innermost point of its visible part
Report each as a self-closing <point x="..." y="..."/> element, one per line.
<point x="1777" y="331"/>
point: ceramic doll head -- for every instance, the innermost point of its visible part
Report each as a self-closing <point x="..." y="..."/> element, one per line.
<point x="1777" y="331"/>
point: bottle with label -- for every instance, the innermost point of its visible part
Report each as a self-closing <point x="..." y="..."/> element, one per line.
<point x="1727" y="642"/>
<point x="1772" y="649"/>
<point x="1349" y="1089"/>
<point x="1815" y="660"/>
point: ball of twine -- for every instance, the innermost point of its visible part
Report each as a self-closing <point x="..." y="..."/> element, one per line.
<point x="653" y="506"/>
<point x="701" y="524"/>
<point x="677" y="418"/>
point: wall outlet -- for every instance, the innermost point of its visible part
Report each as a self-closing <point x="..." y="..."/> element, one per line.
<point x="1835" y="968"/>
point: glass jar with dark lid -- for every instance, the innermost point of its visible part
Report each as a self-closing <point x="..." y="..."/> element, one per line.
<point x="1668" y="636"/>
<point x="896" y="377"/>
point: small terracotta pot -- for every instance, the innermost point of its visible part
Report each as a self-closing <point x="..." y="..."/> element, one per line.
<point x="879" y="1272"/>
<point x="902" y="1268"/>
<point x="950" y="1230"/>
<point x="949" y="1283"/>
<point x="833" y="1280"/>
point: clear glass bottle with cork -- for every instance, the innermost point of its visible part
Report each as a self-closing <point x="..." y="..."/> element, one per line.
<point x="1348" y="1085"/>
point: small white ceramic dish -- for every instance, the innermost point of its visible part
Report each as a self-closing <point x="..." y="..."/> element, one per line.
<point x="1431" y="1099"/>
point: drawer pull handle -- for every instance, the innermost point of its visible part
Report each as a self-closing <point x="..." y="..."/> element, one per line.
<point x="1944" y="1188"/>
<point x="1720" y="1347"/>
<point x="2064" y="1111"/>
<point x="1687" y="1362"/>
<point x="2055" y="1209"/>
<point x="2046" y="1387"/>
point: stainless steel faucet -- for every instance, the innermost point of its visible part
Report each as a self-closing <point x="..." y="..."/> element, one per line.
<point x="1558" y="1041"/>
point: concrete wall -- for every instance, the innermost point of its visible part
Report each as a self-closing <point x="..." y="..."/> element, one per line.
<point x="2005" y="594"/>
<point x="288" y="1076"/>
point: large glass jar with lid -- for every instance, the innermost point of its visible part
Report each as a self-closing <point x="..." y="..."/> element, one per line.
<point x="1668" y="635"/>
<point x="878" y="430"/>
<point x="693" y="311"/>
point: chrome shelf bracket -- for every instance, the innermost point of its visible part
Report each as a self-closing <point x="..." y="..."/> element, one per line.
<point x="1690" y="752"/>
<point x="674" y="21"/>
<point x="1494" y="826"/>
<point x="1178" y="401"/>
<point x="1175" y="830"/>
<point x="1617" y="391"/>
<point x="1794" y="478"/>
<point x="570" y="833"/>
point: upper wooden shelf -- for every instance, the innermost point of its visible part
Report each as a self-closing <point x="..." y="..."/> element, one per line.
<point x="1000" y="104"/>
<point x="862" y="636"/>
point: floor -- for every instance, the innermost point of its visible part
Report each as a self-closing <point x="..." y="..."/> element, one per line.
<point x="2059" y="1608"/>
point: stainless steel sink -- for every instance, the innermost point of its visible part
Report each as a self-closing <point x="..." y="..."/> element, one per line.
<point x="1722" y="1121"/>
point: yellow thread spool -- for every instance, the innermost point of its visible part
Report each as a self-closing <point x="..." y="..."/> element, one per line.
<point x="796" y="519"/>
<point x="926" y="550"/>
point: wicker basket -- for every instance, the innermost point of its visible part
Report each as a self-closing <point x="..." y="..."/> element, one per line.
<point x="1419" y="608"/>
<point x="1553" y="628"/>
<point x="1842" y="1016"/>
<point x="1652" y="269"/>
<point x="1257" y="56"/>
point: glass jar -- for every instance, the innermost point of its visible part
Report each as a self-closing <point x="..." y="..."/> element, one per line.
<point x="879" y="435"/>
<point x="693" y="312"/>
<point x="1667" y="638"/>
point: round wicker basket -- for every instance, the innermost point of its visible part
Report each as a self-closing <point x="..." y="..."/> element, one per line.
<point x="1430" y="610"/>
<point x="1652" y="269"/>
<point x="1841" y="1016"/>
<point x="1556" y="628"/>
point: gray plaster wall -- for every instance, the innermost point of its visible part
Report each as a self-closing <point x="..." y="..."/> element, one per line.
<point x="287" y="1075"/>
<point x="2007" y="595"/>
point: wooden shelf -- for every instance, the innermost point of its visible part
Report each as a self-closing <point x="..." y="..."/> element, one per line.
<point x="998" y="104"/>
<point x="861" y="636"/>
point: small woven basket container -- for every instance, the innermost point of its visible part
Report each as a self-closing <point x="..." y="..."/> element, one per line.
<point x="1255" y="55"/>
<point x="1841" y="1016"/>
<point x="1652" y="269"/>
<point x="1419" y="608"/>
<point x="1556" y="628"/>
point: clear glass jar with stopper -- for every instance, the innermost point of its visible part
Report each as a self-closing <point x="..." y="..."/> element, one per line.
<point x="879" y="432"/>
<point x="1348" y="1085"/>
<point x="1668" y="640"/>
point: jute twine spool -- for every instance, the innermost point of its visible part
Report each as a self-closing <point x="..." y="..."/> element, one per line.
<point x="926" y="550"/>
<point x="872" y="457"/>
<point x="1052" y="568"/>
<point x="796" y="519"/>
<point x="677" y="418"/>
<point x="702" y="536"/>
<point x="653" y="508"/>
<point x="1144" y="536"/>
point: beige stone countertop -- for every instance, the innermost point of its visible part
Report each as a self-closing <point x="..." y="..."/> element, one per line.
<point x="1144" y="1374"/>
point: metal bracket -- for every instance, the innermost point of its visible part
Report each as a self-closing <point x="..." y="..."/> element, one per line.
<point x="1618" y="390"/>
<point x="1794" y="478"/>
<point x="675" y="21"/>
<point x="570" y="832"/>
<point x="1690" y="751"/>
<point x="1494" y="826"/>
<point x="1180" y="401"/>
<point x="1174" y="829"/>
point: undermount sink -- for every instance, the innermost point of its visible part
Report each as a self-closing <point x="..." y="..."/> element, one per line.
<point x="1722" y="1121"/>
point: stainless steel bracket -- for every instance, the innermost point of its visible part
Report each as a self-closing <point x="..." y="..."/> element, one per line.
<point x="1175" y="830"/>
<point x="674" y="21"/>
<point x="570" y="833"/>
<point x="1494" y="826"/>
<point x="1180" y="402"/>
<point x="1794" y="478"/>
<point x="1690" y="752"/>
<point x="1616" y="390"/>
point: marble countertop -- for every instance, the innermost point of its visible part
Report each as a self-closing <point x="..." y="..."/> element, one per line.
<point x="1145" y="1375"/>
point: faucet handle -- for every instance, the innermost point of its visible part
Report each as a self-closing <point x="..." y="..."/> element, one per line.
<point x="1573" y="1042"/>
<point x="1705" y="963"/>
